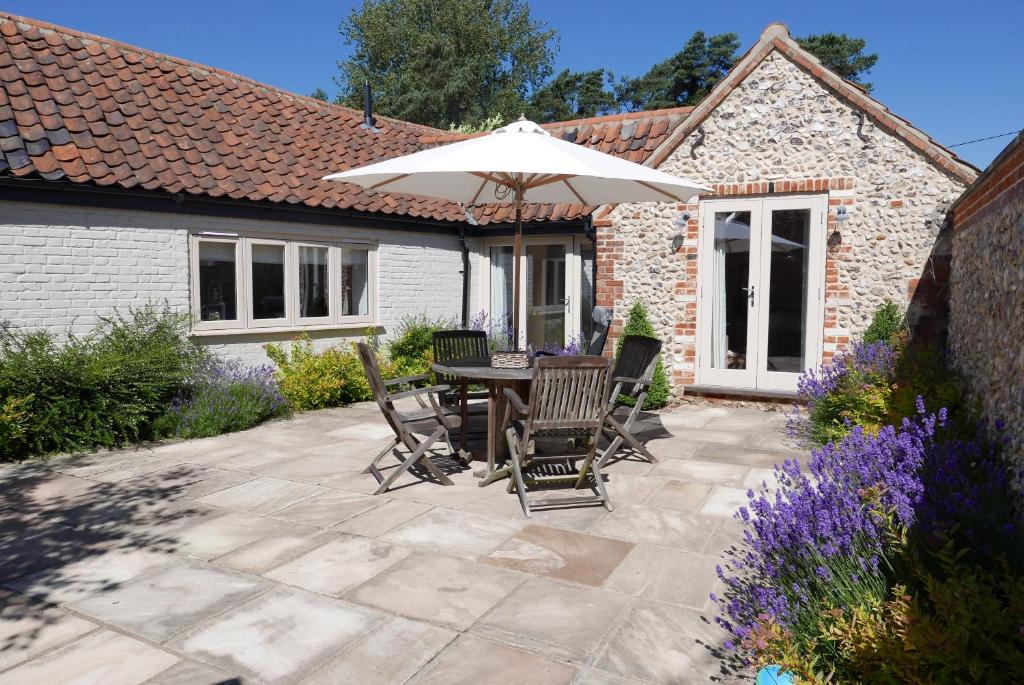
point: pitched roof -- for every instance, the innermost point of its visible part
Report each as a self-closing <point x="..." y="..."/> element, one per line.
<point x="776" y="37"/>
<point x="94" y="111"/>
<point x="631" y="135"/>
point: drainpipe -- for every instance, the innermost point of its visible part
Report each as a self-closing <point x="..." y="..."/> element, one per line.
<point x="591" y="233"/>
<point x="471" y="220"/>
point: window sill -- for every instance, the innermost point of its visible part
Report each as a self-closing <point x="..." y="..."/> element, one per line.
<point x="219" y="332"/>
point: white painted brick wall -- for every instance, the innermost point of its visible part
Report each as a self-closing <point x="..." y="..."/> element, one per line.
<point x="62" y="267"/>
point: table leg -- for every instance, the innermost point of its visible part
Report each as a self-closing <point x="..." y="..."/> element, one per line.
<point x="497" y="446"/>
<point x="464" y="415"/>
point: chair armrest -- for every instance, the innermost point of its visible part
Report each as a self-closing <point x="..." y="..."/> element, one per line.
<point x="516" y="401"/>
<point x="417" y="391"/>
<point x="633" y="381"/>
<point x="407" y="379"/>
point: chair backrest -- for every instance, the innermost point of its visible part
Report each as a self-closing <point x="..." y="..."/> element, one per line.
<point x="638" y="358"/>
<point x="377" y="387"/>
<point x="460" y="344"/>
<point x="602" y="319"/>
<point x="568" y="393"/>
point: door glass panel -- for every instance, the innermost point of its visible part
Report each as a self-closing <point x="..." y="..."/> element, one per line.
<point x="267" y="281"/>
<point x="545" y="296"/>
<point x="355" y="282"/>
<point x="501" y="297"/>
<point x="787" y="304"/>
<point x="217" y="281"/>
<point x="313" y="281"/>
<point x="731" y="278"/>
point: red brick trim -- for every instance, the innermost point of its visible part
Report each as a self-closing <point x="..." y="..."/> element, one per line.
<point x="1001" y="183"/>
<point x="795" y="185"/>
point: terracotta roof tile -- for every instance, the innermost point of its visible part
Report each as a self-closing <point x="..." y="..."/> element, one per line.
<point x="97" y="111"/>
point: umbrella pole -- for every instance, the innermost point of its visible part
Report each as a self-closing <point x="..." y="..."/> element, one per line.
<point x="517" y="250"/>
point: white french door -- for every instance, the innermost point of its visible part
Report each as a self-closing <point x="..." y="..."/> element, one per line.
<point x="762" y="264"/>
<point x="548" y="295"/>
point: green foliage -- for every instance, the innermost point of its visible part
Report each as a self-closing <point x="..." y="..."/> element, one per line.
<point x="842" y="54"/>
<point x="309" y="380"/>
<point x="413" y="346"/>
<point x="335" y="377"/>
<point x="100" y="390"/>
<point x="573" y="95"/>
<point x="858" y="401"/>
<point x="440" y="61"/>
<point x="959" y="624"/>
<point x="685" y="77"/>
<point x="489" y="124"/>
<point x="639" y="323"/>
<point x="887" y="324"/>
<point x="921" y="372"/>
<point x="319" y="94"/>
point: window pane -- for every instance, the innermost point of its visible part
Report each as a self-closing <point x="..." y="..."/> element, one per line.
<point x="545" y="295"/>
<point x="267" y="281"/>
<point x="355" y="282"/>
<point x="217" y="281"/>
<point x="787" y="302"/>
<point x="730" y="290"/>
<point x="313" y="281"/>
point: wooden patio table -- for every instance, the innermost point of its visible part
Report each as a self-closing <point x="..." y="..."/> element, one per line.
<point x="496" y="380"/>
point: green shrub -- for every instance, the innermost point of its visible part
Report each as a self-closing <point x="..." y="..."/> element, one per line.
<point x="887" y="324"/>
<point x="332" y="378"/>
<point x="412" y="349"/>
<point x="100" y="390"/>
<point x="638" y="323"/>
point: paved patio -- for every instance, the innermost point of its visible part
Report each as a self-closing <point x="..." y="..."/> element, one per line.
<point x="261" y="557"/>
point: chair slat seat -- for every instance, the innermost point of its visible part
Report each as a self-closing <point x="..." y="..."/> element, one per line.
<point x="568" y="398"/>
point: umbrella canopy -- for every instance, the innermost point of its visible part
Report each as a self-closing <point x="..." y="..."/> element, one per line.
<point x="520" y="163"/>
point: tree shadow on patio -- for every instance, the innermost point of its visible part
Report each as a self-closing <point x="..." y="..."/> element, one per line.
<point x="62" y="538"/>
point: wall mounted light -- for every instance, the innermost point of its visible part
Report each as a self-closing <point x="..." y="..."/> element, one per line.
<point x="678" y="240"/>
<point x="841" y="214"/>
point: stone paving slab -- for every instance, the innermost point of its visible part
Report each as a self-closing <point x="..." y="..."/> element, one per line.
<point x="445" y="590"/>
<point x="280" y="636"/>
<point x="471" y="661"/>
<point x="100" y="657"/>
<point x="561" y="554"/>
<point x="165" y="602"/>
<point x="263" y="557"/>
<point x="29" y="627"/>
<point x="389" y="653"/>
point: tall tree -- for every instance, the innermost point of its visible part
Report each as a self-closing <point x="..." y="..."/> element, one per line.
<point x="842" y="54"/>
<point x="319" y="94"/>
<point x="685" y="77"/>
<point x="439" y="62"/>
<point x="573" y="95"/>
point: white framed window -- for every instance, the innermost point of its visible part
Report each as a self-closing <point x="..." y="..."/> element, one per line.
<point x="242" y="283"/>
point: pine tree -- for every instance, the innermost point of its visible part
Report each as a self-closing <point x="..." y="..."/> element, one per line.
<point x="639" y="323"/>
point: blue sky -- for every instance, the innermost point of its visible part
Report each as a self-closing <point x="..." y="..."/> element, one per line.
<point x="951" y="68"/>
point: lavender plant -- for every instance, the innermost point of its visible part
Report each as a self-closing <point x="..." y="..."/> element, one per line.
<point x="820" y="539"/>
<point x="224" y="397"/>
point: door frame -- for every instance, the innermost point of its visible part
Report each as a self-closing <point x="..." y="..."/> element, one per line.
<point x="753" y="377"/>
<point x="572" y="280"/>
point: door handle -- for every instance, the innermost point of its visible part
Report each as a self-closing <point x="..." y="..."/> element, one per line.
<point x="750" y="294"/>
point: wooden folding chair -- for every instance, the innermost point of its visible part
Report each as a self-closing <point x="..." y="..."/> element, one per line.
<point x="632" y="377"/>
<point x="407" y="424"/>
<point x="568" y="399"/>
<point x="450" y="346"/>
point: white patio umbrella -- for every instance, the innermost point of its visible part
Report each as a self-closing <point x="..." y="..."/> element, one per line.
<point x="520" y="163"/>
